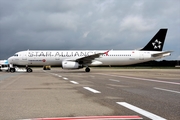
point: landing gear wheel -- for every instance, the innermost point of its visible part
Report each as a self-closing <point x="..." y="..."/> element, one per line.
<point x="12" y="70"/>
<point x="29" y="70"/>
<point x="87" y="69"/>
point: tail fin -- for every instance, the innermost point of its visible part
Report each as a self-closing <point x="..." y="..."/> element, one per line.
<point x="157" y="42"/>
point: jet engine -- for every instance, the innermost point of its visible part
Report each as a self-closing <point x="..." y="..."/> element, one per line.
<point x="71" y="65"/>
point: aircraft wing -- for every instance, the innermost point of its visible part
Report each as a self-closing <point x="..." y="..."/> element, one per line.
<point x="162" y="54"/>
<point x="88" y="59"/>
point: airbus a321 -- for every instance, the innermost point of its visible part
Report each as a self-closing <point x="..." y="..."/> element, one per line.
<point x="76" y="59"/>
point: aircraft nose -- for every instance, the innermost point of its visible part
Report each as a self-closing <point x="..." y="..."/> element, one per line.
<point x="10" y="60"/>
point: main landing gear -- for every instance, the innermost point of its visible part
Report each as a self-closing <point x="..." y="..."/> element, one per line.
<point x="28" y="70"/>
<point x="87" y="69"/>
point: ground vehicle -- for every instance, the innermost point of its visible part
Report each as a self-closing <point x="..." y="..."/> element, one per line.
<point x="4" y="67"/>
<point x="46" y="67"/>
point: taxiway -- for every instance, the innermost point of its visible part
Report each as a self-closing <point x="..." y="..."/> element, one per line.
<point x="148" y="93"/>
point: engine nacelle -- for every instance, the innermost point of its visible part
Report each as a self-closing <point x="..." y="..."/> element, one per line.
<point x="71" y="65"/>
<point x="95" y="63"/>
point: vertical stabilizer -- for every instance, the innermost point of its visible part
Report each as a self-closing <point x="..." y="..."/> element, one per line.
<point x="157" y="42"/>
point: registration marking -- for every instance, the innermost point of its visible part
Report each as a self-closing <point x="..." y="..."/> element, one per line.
<point x="74" y="82"/>
<point x="91" y="89"/>
<point x="166" y="90"/>
<point x="141" y="111"/>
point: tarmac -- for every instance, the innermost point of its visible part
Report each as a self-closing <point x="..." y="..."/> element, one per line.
<point x="102" y="92"/>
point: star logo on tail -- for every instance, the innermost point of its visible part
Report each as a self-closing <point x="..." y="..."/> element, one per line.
<point x="157" y="44"/>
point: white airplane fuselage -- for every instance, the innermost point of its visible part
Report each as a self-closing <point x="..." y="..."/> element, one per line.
<point x="75" y="59"/>
<point x="113" y="57"/>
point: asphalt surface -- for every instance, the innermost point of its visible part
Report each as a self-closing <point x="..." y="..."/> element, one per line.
<point x="148" y="93"/>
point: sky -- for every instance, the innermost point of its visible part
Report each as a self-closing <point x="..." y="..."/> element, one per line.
<point x="87" y="25"/>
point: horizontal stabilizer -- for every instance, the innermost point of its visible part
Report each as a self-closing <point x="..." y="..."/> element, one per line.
<point x="162" y="54"/>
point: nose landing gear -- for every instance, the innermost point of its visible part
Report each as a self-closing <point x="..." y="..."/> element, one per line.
<point x="12" y="70"/>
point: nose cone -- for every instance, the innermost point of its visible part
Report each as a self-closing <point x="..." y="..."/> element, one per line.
<point x="10" y="60"/>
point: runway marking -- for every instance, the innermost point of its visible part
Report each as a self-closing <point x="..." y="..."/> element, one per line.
<point x="91" y="118"/>
<point x="142" y="79"/>
<point x="110" y="88"/>
<point x="141" y="111"/>
<point x="114" y="80"/>
<point x="54" y="74"/>
<point x="166" y="90"/>
<point x="74" y="82"/>
<point x="92" y="90"/>
<point x="65" y="78"/>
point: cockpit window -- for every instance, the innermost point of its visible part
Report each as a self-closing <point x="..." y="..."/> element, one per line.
<point x="15" y="54"/>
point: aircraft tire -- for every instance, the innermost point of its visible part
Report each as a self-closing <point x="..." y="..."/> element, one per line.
<point x="87" y="69"/>
<point x="12" y="70"/>
<point x="29" y="70"/>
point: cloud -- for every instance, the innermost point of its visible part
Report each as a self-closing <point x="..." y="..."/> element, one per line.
<point x="85" y="34"/>
<point x="84" y="24"/>
<point x="178" y="58"/>
<point x="137" y="23"/>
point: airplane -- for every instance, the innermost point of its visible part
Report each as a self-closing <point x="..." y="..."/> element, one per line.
<point x="76" y="59"/>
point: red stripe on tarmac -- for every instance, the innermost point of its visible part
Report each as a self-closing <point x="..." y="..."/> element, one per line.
<point x="92" y="118"/>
